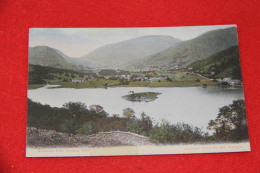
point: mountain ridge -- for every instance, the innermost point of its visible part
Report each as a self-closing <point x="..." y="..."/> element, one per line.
<point x="120" y="54"/>
<point x="141" y="52"/>
<point x="51" y="57"/>
<point x="192" y="50"/>
<point x="222" y="64"/>
<point x="47" y="56"/>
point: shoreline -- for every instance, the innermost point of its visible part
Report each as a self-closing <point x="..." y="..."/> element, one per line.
<point x="31" y="87"/>
<point x="59" y="85"/>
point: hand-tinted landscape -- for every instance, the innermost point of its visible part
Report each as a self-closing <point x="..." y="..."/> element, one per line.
<point x="135" y="89"/>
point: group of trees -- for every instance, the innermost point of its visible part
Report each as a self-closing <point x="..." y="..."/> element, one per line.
<point x="231" y="123"/>
<point x="124" y="82"/>
<point x="77" y="118"/>
<point x="107" y="72"/>
<point x="40" y="74"/>
<point x="220" y="65"/>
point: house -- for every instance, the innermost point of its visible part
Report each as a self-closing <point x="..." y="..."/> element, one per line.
<point x="234" y="82"/>
<point x="78" y="80"/>
<point x="152" y="79"/>
<point x="227" y="79"/>
<point x="126" y="77"/>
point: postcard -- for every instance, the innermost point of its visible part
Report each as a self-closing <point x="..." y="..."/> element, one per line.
<point x="135" y="91"/>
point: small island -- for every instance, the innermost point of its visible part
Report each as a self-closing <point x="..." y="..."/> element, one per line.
<point x="141" y="97"/>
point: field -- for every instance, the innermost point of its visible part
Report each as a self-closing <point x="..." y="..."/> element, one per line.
<point x="177" y="79"/>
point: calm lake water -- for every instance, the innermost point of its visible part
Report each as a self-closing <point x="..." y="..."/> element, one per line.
<point x="192" y="105"/>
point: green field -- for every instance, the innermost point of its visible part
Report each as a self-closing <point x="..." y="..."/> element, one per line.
<point x="176" y="80"/>
<point x="35" y="86"/>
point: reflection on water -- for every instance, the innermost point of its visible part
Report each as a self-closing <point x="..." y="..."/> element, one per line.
<point x="192" y="105"/>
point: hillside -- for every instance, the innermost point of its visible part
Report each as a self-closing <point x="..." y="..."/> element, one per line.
<point x="41" y="74"/>
<point x="190" y="51"/>
<point x="123" y="53"/>
<point x="222" y="64"/>
<point x="46" y="56"/>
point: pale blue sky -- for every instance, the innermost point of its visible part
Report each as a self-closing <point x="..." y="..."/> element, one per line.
<point x="77" y="42"/>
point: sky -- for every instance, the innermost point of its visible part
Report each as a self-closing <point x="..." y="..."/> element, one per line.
<point x="76" y="42"/>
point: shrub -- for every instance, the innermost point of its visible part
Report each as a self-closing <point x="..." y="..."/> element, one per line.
<point x="175" y="133"/>
<point x="85" y="129"/>
<point x="129" y="113"/>
<point x="67" y="126"/>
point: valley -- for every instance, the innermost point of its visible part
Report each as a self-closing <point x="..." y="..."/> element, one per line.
<point x="113" y="78"/>
<point x="149" y="61"/>
<point x="165" y="89"/>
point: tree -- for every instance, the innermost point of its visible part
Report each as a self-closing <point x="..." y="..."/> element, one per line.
<point x="230" y="124"/>
<point x="168" y="133"/>
<point x="197" y="80"/>
<point x="76" y="109"/>
<point x="77" y="112"/>
<point x="129" y="113"/>
<point x="123" y="82"/>
<point x="236" y="73"/>
<point x="105" y="85"/>
<point x="98" y="111"/>
<point x="146" y="122"/>
<point x="116" y="116"/>
<point x="169" y="79"/>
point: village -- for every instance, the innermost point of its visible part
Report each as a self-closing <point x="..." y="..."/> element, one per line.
<point x="140" y="75"/>
<point x="156" y="75"/>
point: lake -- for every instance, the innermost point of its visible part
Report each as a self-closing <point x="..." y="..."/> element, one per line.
<point x="192" y="105"/>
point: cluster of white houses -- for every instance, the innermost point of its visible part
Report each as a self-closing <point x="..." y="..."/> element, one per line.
<point x="233" y="82"/>
<point x="78" y="80"/>
<point x="85" y="78"/>
<point x="139" y="77"/>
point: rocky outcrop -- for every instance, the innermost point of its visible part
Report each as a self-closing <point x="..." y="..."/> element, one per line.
<point x="50" y="138"/>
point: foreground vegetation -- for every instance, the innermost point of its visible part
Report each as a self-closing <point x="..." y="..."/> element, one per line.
<point x="77" y="118"/>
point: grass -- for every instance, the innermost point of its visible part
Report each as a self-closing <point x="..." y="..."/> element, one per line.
<point x="178" y="80"/>
<point x="92" y="83"/>
<point x="225" y="73"/>
<point x="144" y="96"/>
<point x="35" y="86"/>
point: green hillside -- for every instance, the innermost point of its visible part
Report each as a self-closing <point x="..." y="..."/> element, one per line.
<point x="46" y="56"/>
<point x="121" y="54"/>
<point x="187" y="52"/>
<point x="220" y="65"/>
<point x="40" y="75"/>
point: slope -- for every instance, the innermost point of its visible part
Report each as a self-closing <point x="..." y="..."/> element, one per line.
<point x="222" y="64"/>
<point x="123" y="53"/>
<point x="190" y="51"/>
<point x="46" y="56"/>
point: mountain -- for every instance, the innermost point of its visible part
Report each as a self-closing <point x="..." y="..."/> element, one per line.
<point x="220" y="65"/>
<point x="123" y="53"/>
<point x="190" y="51"/>
<point x="46" y="56"/>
